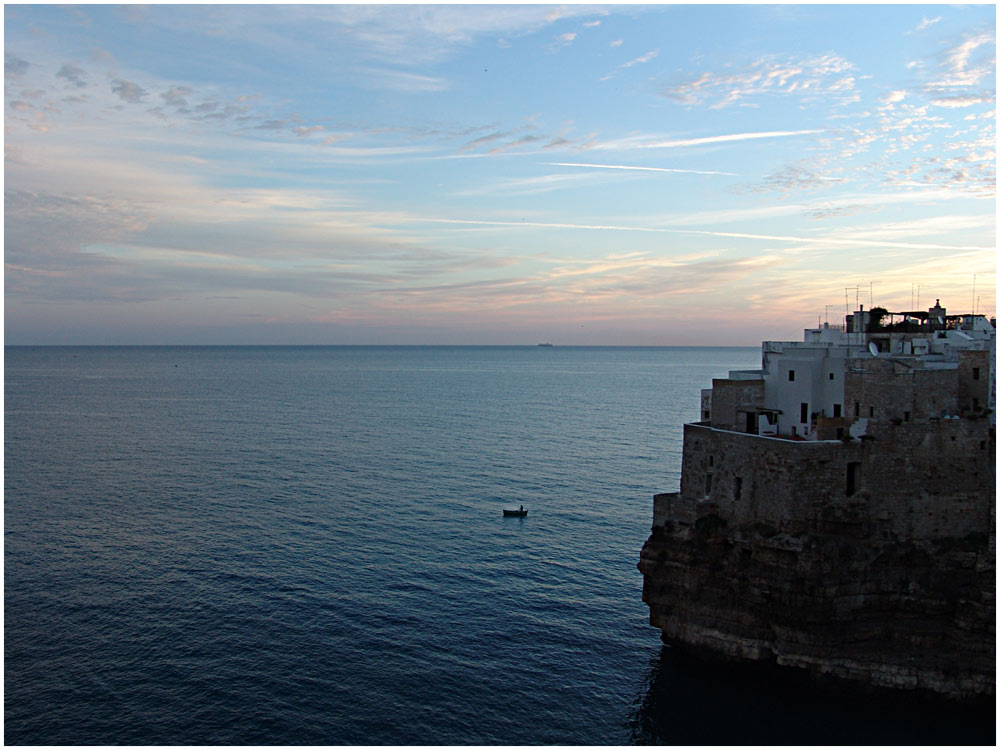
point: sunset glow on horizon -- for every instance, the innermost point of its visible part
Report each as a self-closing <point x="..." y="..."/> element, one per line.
<point x="508" y="174"/>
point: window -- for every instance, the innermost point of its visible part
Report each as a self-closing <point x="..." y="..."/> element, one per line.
<point x="791" y="375"/>
<point x="906" y="416"/>
<point x="836" y="410"/>
<point x="853" y="477"/>
<point x="831" y="376"/>
<point x="840" y="433"/>
<point x="804" y="413"/>
<point x="708" y="484"/>
<point x="871" y="411"/>
<point x="975" y="403"/>
<point x="711" y="460"/>
<point x="706" y="413"/>
<point x="975" y="373"/>
<point x="857" y="409"/>
<point x="737" y="488"/>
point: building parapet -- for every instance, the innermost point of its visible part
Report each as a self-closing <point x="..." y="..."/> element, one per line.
<point x="746" y="374"/>
<point x="756" y="436"/>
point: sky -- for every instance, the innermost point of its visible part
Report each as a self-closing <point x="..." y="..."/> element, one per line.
<point x="477" y="174"/>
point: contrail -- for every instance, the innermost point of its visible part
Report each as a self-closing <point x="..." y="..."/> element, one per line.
<point x="739" y="235"/>
<point x="628" y="143"/>
<point x="728" y="138"/>
<point x="639" y="169"/>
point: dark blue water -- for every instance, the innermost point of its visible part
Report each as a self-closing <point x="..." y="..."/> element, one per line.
<point x="215" y="545"/>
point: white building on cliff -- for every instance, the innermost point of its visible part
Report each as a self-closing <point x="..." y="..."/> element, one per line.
<point x="943" y="366"/>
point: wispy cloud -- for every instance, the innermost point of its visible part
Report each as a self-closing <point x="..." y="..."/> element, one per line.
<point x="793" y="178"/>
<point x="826" y="76"/>
<point x="637" y="61"/>
<point x="401" y="80"/>
<point x="961" y="100"/>
<point x="611" y="286"/>
<point x="558" y="142"/>
<point x="399" y="35"/>
<point x="14" y="67"/>
<point x="912" y="138"/>
<point x="828" y="206"/>
<point x="156" y="244"/>
<point x="488" y="138"/>
<point x="176" y="96"/>
<point x="561" y="41"/>
<point x="304" y="131"/>
<point x="73" y="75"/>
<point x="128" y="91"/>
<point x="893" y="96"/>
<point x="966" y="64"/>
<point x="828" y="212"/>
<point x="641" y="59"/>
<point x="925" y="22"/>
<point x="544" y="224"/>
<point x="524" y="140"/>
<point x="529" y="185"/>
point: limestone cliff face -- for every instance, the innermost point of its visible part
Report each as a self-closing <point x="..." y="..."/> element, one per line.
<point x="833" y="592"/>
<point x="869" y="559"/>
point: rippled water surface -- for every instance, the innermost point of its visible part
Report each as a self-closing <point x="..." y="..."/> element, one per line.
<point x="306" y="545"/>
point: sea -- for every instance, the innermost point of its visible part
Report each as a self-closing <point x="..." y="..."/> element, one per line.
<point x="306" y="545"/>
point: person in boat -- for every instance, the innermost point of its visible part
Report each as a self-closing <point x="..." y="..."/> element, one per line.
<point x="521" y="509"/>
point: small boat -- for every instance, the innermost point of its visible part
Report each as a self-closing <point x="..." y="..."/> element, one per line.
<point x="519" y="513"/>
<point x="545" y="344"/>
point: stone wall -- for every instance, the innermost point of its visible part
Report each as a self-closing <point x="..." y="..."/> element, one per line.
<point x="732" y="399"/>
<point x="973" y="381"/>
<point x="913" y="481"/>
<point x="887" y="389"/>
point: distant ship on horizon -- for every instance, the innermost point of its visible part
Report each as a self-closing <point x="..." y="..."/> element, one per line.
<point x="545" y="344"/>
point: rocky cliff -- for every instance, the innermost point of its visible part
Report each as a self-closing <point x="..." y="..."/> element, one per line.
<point x="834" y="595"/>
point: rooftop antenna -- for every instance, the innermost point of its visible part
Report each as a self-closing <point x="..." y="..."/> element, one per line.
<point x="871" y="293"/>
<point x="974" y="293"/>
<point x="847" y="308"/>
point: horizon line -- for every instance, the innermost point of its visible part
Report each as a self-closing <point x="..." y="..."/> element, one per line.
<point x="386" y="346"/>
